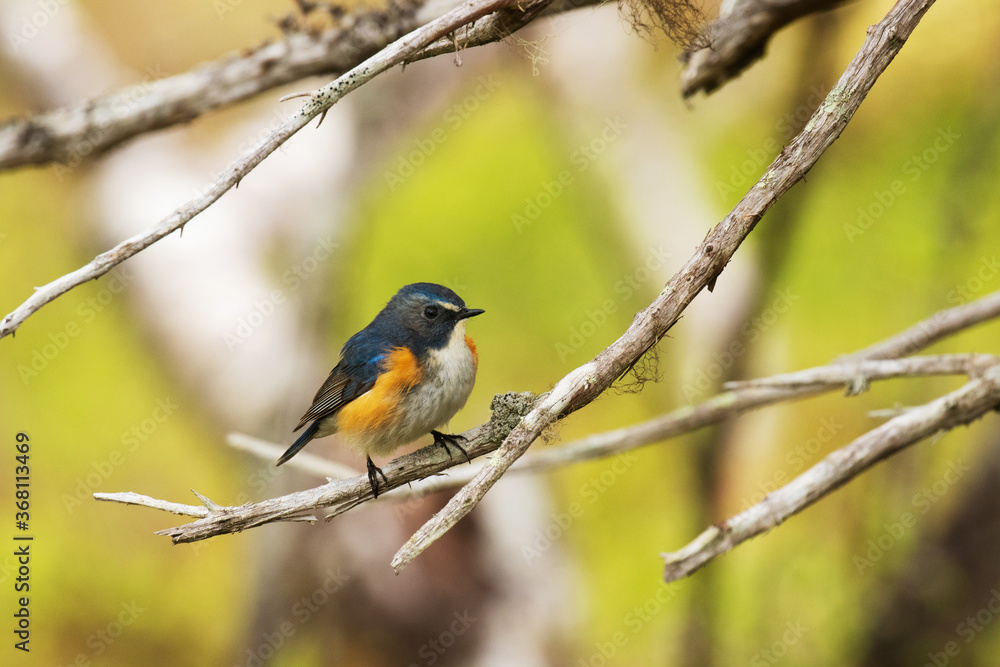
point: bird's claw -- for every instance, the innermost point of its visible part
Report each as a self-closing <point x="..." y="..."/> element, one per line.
<point x="373" y="472"/>
<point x="448" y="439"/>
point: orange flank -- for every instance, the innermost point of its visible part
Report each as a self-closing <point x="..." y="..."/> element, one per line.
<point x="472" y="349"/>
<point x="378" y="405"/>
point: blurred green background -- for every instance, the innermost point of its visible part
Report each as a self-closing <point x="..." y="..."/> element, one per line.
<point x="142" y="396"/>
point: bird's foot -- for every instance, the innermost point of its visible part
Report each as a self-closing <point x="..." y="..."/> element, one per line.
<point x="373" y="472"/>
<point x="450" y="439"/>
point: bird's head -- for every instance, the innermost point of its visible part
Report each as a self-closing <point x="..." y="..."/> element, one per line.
<point x="429" y="312"/>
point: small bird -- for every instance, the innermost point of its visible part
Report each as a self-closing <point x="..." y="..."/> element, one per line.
<point x="405" y="374"/>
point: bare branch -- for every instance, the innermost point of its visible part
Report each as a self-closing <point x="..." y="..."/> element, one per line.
<point x="321" y="100"/>
<point x="739" y="37"/>
<point x="742" y="397"/>
<point x="963" y="406"/>
<point x="507" y="410"/>
<point x="129" y="498"/>
<point x="321" y="466"/>
<point x="582" y="385"/>
<point x="86" y="130"/>
<point x="856" y="375"/>
<point x="92" y="127"/>
<point x="344" y="494"/>
<point x="735" y="402"/>
<point x="499" y="25"/>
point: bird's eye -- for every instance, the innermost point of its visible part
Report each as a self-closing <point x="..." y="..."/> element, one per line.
<point x="431" y="312"/>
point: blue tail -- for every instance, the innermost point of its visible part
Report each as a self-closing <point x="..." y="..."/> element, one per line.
<point x="306" y="436"/>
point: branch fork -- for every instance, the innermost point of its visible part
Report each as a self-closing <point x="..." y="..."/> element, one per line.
<point x="581" y="386"/>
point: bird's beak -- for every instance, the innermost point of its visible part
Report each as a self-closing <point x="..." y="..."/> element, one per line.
<point x="466" y="313"/>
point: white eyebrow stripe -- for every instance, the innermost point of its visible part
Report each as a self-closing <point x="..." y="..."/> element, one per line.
<point x="449" y="306"/>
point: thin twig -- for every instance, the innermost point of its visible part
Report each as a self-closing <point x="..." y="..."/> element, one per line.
<point x="857" y="374"/>
<point x="317" y="105"/>
<point x="129" y="498"/>
<point x="584" y="384"/>
<point x="972" y="401"/>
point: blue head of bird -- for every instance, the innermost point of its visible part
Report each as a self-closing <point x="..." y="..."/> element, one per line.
<point x="425" y="317"/>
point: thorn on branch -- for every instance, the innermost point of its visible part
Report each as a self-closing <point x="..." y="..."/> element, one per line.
<point x="458" y="54"/>
<point x="292" y="96"/>
<point x="212" y="506"/>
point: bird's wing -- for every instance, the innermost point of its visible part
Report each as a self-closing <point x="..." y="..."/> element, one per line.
<point x="347" y="381"/>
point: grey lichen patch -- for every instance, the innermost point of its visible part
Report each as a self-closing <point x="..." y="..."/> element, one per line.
<point x="508" y="411"/>
<point x="834" y="102"/>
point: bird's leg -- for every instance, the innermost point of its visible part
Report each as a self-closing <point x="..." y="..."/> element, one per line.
<point x="373" y="472"/>
<point x="446" y="439"/>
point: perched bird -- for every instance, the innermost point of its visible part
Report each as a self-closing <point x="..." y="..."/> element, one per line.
<point x="405" y="374"/>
